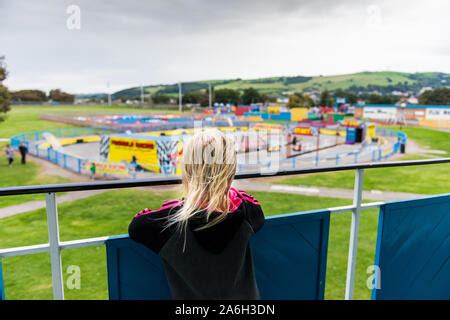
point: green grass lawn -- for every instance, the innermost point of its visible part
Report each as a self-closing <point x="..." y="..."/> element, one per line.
<point x="110" y="213"/>
<point x="22" y="175"/>
<point x="429" y="179"/>
<point x="26" y="118"/>
<point x="333" y="82"/>
<point x="430" y="138"/>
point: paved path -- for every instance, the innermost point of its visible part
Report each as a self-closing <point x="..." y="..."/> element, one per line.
<point x="48" y="168"/>
<point x="374" y="195"/>
<point x="35" y="205"/>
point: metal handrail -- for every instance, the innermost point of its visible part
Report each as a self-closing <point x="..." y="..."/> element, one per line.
<point x="54" y="246"/>
<point x="133" y="183"/>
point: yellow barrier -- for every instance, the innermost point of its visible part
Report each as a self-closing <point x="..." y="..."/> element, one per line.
<point x="331" y="132"/>
<point x="371" y="132"/>
<point x="351" y="123"/>
<point x="123" y="149"/>
<point x="72" y="140"/>
<point x="146" y="152"/>
<point x="107" y="167"/>
<point x="303" y="131"/>
<point x="274" y="110"/>
<point x="190" y="131"/>
<point x="298" y="114"/>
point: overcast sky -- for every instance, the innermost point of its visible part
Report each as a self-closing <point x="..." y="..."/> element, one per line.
<point x="132" y="42"/>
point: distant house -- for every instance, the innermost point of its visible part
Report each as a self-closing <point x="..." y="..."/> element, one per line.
<point x="424" y="89"/>
<point x="427" y="115"/>
<point x="412" y="100"/>
<point x="398" y="93"/>
<point x="314" y="95"/>
<point x="282" y="100"/>
<point x="408" y="100"/>
<point x="81" y="100"/>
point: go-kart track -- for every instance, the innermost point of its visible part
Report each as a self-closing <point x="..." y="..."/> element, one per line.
<point x="139" y="147"/>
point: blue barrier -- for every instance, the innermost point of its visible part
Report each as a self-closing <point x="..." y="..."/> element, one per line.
<point x="350" y="136"/>
<point x="281" y="116"/>
<point x="413" y="250"/>
<point x="264" y="115"/>
<point x="2" y="285"/>
<point x="290" y="254"/>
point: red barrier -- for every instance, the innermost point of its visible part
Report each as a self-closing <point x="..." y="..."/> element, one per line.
<point x="241" y="110"/>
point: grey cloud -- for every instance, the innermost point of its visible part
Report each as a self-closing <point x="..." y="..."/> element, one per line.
<point x="132" y="42"/>
<point x="166" y="16"/>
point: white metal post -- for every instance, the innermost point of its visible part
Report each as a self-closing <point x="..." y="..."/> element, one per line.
<point x="53" y="240"/>
<point x="354" y="232"/>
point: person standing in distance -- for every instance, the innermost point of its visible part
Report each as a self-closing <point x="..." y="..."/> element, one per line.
<point x="23" y="152"/>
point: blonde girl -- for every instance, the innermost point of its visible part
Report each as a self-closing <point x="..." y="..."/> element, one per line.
<point x="203" y="238"/>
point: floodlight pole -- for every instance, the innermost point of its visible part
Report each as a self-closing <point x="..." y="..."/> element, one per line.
<point x="109" y="94"/>
<point x="180" y="97"/>
<point x="210" y="96"/>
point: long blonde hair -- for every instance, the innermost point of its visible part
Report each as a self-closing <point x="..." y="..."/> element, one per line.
<point x="208" y="168"/>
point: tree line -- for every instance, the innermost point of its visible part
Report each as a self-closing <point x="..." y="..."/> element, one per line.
<point x="38" y="96"/>
<point x="301" y="99"/>
<point x="438" y="96"/>
<point x="226" y="96"/>
<point x="4" y="93"/>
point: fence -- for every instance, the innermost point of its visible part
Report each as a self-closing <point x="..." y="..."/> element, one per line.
<point x="77" y="164"/>
<point x="54" y="245"/>
<point x="32" y="141"/>
<point x="371" y="153"/>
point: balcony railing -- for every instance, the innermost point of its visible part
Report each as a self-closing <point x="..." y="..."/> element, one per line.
<point x="55" y="246"/>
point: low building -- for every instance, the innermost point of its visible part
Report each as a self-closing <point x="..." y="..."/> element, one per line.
<point x="427" y="115"/>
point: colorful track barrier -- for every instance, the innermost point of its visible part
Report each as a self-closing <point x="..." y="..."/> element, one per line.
<point x="160" y="151"/>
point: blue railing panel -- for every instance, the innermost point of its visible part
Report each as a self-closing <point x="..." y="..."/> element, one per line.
<point x="2" y="284"/>
<point x="289" y="253"/>
<point x="413" y="249"/>
<point x="134" y="272"/>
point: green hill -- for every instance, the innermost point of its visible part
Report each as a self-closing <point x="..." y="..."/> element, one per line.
<point x="382" y="81"/>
